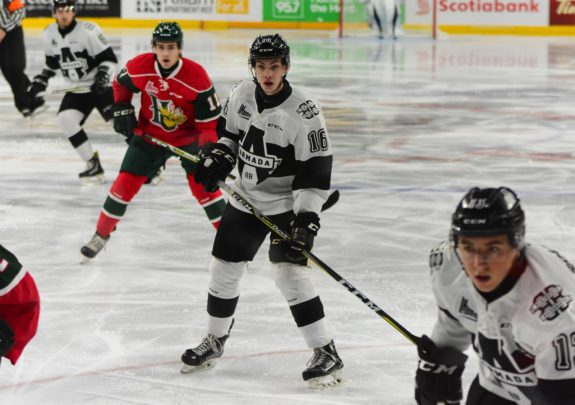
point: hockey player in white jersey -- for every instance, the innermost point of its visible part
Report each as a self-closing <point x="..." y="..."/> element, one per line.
<point x="513" y="301"/>
<point x="279" y="139"/>
<point x="81" y="52"/>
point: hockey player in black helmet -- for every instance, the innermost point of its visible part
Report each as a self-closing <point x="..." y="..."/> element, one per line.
<point x="513" y="301"/>
<point x="277" y="136"/>
<point x="168" y="32"/>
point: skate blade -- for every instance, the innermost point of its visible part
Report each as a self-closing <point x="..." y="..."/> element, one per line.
<point x="85" y="259"/>
<point x="194" y="369"/>
<point x="93" y="180"/>
<point x="332" y="380"/>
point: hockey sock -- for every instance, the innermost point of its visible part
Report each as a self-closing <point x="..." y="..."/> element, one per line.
<point x="121" y="193"/>
<point x="220" y="313"/>
<point x="82" y="144"/>
<point x="212" y="203"/>
<point x="311" y="322"/>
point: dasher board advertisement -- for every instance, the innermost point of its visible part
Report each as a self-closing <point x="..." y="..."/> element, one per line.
<point x="193" y="10"/>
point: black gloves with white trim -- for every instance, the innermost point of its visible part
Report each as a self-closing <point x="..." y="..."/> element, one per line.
<point x="124" y="119"/>
<point x="216" y="163"/>
<point x="39" y="85"/>
<point x="101" y="81"/>
<point x="438" y="376"/>
<point x="304" y="229"/>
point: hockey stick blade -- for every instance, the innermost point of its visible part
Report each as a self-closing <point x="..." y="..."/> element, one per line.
<point x="332" y="199"/>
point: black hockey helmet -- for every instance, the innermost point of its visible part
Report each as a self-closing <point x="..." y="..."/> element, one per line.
<point x="168" y="32"/>
<point x="269" y="47"/>
<point x="488" y="212"/>
<point x="65" y="4"/>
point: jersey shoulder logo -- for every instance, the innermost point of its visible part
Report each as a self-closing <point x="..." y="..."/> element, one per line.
<point x="243" y="112"/>
<point x="550" y="302"/>
<point x="151" y="89"/>
<point x="308" y="109"/>
<point x="165" y="114"/>
<point x="466" y="311"/>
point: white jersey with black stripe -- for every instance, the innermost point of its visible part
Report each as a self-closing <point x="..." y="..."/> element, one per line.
<point x="284" y="153"/>
<point x="526" y="334"/>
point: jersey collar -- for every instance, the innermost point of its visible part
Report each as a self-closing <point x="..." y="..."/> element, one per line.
<point x="168" y="73"/>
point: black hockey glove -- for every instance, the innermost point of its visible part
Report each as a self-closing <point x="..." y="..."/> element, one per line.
<point x="39" y="85"/>
<point x="101" y="82"/>
<point x="438" y="376"/>
<point x="216" y="163"/>
<point x="6" y="338"/>
<point x="124" y="119"/>
<point x="304" y="229"/>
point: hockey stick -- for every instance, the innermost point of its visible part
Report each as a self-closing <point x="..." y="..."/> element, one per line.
<point x="274" y="228"/>
<point x="70" y="90"/>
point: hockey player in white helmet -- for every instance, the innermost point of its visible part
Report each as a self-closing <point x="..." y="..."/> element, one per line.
<point x="81" y="52"/>
<point x="512" y="301"/>
<point x="277" y="136"/>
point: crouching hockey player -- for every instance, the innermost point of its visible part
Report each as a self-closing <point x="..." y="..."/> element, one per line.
<point x="512" y="300"/>
<point x="179" y="105"/>
<point x="278" y="137"/>
<point x="81" y="52"/>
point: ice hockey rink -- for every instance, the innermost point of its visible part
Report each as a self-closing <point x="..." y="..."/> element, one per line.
<point x="413" y="124"/>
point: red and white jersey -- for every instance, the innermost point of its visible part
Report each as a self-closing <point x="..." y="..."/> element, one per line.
<point x="525" y="335"/>
<point x="179" y="109"/>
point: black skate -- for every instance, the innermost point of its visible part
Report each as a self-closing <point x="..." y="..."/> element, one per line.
<point x="203" y="356"/>
<point x="324" y="368"/>
<point x="92" y="248"/>
<point x="94" y="172"/>
<point x="35" y="106"/>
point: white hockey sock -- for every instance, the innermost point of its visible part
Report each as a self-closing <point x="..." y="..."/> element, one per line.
<point x="85" y="151"/>
<point x="219" y="326"/>
<point x="316" y="334"/>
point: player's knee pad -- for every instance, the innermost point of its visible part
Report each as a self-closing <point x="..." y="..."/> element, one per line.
<point x="225" y="278"/>
<point x="70" y="122"/>
<point x="294" y="282"/>
<point x="126" y="187"/>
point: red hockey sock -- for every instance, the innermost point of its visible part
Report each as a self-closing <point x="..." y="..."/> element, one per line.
<point x="121" y="194"/>
<point x="212" y="203"/>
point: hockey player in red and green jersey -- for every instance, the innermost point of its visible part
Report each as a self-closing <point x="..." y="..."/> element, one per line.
<point x="19" y="306"/>
<point x="179" y="106"/>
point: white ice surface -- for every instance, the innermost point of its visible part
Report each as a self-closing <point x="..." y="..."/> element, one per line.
<point x="413" y="124"/>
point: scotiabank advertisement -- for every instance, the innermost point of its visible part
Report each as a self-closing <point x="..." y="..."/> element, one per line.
<point x="503" y="13"/>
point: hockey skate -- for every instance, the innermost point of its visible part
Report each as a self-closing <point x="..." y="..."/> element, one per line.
<point x="203" y="356"/>
<point x="94" y="172"/>
<point x="35" y="107"/>
<point x="92" y="248"/>
<point x="324" y="368"/>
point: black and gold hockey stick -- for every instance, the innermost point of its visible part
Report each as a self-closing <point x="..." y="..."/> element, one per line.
<point x="285" y="236"/>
